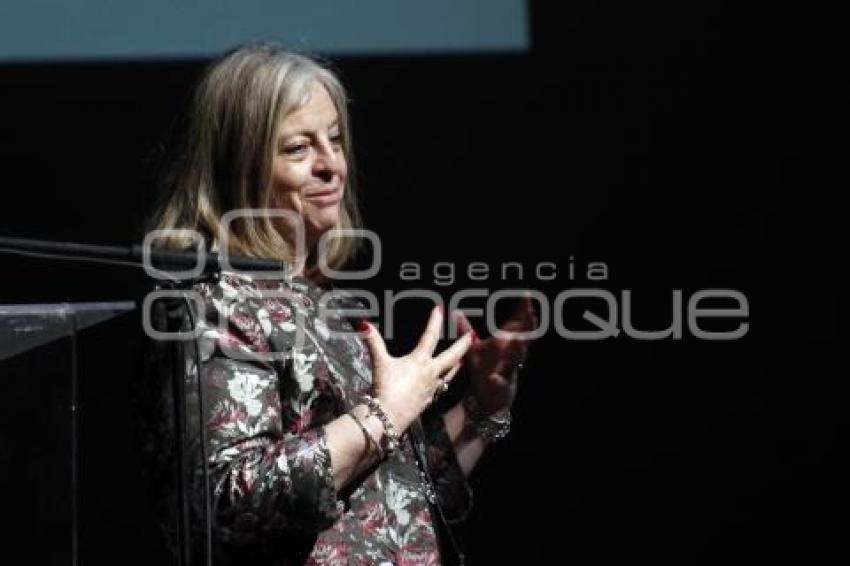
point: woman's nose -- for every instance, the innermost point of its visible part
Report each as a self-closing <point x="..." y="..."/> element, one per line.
<point x="327" y="163"/>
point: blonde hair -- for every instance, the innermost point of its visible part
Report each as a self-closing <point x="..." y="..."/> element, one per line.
<point x="227" y="153"/>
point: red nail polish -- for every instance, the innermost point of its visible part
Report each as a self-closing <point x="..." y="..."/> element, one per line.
<point x="474" y="336"/>
<point x="363" y="326"/>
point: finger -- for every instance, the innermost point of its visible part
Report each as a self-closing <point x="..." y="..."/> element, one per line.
<point x="523" y="320"/>
<point x="528" y="301"/>
<point x="429" y="339"/>
<point x="451" y="373"/>
<point x="513" y="353"/>
<point x="530" y="312"/>
<point x="462" y="323"/>
<point x="453" y="354"/>
<point x="524" y="311"/>
<point x="374" y="341"/>
<point x="531" y="319"/>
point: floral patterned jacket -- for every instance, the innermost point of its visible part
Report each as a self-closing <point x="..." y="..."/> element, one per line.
<point x="272" y="373"/>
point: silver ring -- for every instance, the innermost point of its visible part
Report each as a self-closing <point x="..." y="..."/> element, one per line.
<point x="519" y="365"/>
<point x="441" y="388"/>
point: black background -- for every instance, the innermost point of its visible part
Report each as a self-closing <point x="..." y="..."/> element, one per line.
<point x="688" y="146"/>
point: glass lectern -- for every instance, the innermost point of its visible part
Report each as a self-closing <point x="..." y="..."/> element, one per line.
<point x="39" y="421"/>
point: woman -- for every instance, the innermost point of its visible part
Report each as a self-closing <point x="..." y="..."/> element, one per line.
<point x="317" y="446"/>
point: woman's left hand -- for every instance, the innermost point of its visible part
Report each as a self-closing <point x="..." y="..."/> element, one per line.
<point x="492" y="363"/>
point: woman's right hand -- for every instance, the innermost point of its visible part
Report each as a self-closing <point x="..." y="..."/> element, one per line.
<point x="406" y="386"/>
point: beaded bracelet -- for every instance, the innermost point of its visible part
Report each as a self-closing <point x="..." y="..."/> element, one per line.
<point x="370" y="439"/>
<point x="391" y="438"/>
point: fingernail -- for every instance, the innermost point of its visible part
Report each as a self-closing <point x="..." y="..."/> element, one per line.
<point x="363" y="326"/>
<point x="474" y="336"/>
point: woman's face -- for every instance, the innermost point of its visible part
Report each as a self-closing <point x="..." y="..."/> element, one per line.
<point x="309" y="168"/>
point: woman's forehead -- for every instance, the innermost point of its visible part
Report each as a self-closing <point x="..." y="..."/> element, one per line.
<point x="317" y="110"/>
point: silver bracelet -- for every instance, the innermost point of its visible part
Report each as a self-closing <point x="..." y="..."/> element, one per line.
<point x="370" y="440"/>
<point x="391" y="438"/>
<point x="490" y="428"/>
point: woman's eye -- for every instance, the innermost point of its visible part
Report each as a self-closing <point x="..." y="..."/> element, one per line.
<point x="295" y="148"/>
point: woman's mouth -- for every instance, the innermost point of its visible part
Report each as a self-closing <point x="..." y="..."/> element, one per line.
<point x="324" y="198"/>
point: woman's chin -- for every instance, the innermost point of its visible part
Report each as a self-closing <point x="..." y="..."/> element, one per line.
<point x="323" y="223"/>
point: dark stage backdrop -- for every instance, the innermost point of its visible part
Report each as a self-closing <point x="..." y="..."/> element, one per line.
<point x="686" y="148"/>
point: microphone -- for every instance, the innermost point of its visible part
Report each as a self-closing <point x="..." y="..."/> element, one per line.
<point x="159" y="258"/>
